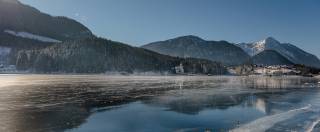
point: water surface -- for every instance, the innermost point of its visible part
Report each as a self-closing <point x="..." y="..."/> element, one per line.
<point x="82" y="103"/>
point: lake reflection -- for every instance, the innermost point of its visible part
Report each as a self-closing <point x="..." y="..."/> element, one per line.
<point x="104" y="103"/>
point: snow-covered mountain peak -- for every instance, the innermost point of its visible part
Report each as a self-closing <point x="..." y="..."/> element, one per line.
<point x="289" y="51"/>
<point x="269" y="41"/>
<point x="259" y="46"/>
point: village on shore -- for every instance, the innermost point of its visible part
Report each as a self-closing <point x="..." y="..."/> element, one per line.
<point x="275" y="70"/>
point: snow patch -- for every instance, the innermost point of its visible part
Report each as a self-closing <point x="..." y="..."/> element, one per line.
<point x="32" y="36"/>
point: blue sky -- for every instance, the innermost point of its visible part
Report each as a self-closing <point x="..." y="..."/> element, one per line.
<point x="138" y="22"/>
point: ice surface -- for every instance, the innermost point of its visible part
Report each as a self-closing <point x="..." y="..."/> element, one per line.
<point x="168" y="103"/>
<point x="264" y="123"/>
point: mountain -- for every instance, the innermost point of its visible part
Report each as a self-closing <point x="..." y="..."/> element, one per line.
<point x="97" y="55"/>
<point x="192" y="46"/>
<point x="34" y="41"/>
<point x="257" y="47"/>
<point x="24" y="21"/>
<point x="23" y="27"/>
<point x="289" y="51"/>
<point x="270" y="57"/>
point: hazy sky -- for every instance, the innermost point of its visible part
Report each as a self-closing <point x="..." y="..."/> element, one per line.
<point x="138" y="22"/>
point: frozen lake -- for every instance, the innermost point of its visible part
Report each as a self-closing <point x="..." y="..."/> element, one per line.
<point x="94" y="103"/>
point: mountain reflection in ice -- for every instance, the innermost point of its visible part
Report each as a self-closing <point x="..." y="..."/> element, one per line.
<point x="133" y="103"/>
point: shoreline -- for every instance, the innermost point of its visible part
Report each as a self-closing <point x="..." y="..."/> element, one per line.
<point x="150" y="75"/>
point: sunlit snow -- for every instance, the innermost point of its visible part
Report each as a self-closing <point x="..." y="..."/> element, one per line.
<point x="32" y="36"/>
